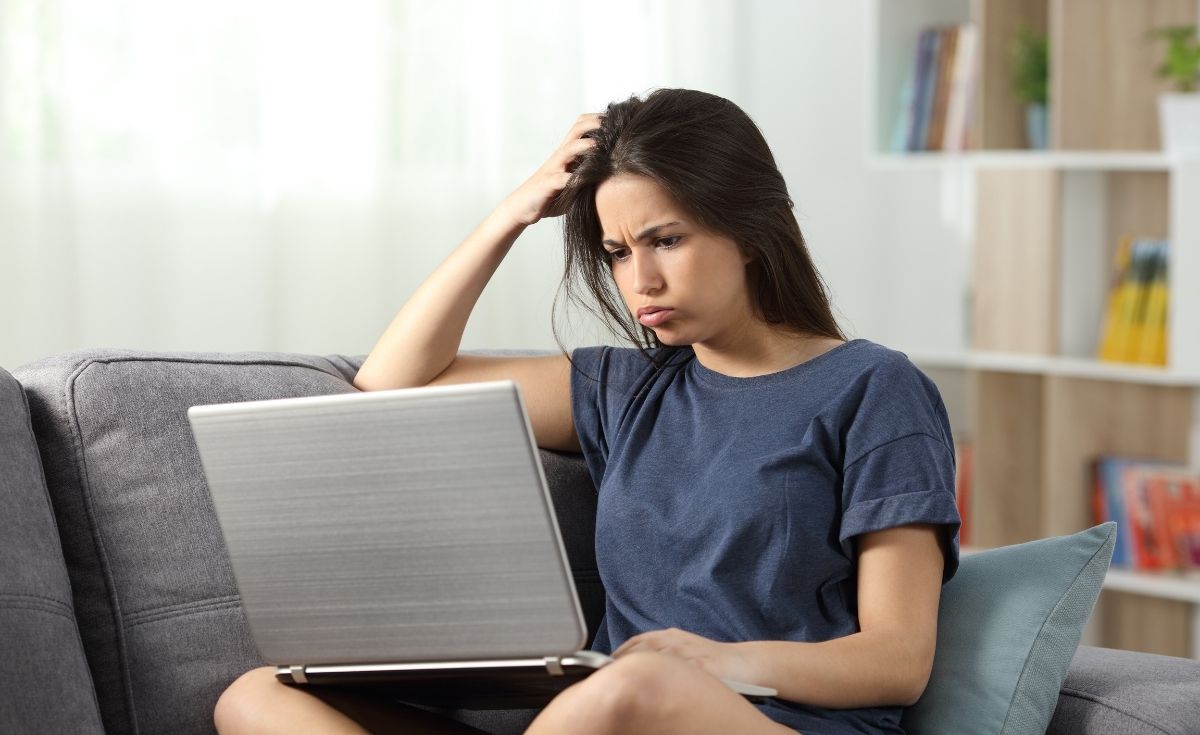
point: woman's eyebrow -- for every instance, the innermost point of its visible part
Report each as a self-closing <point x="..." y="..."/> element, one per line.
<point x="644" y="234"/>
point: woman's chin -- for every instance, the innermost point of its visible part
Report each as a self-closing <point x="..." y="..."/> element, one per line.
<point x="667" y="339"/>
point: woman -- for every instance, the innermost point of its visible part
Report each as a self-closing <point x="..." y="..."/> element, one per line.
<point x="776" y="503"/>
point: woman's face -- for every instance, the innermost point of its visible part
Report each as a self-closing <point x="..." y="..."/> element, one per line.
<point x="661" y="257"/>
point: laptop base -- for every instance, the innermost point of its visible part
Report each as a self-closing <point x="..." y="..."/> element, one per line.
<point x="479" y="685"/>
<point x="516" y="684"/>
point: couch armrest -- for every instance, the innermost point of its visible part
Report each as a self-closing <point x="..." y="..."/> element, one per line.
<point x="45" y="684"/>
<point x="1111" y="691"/>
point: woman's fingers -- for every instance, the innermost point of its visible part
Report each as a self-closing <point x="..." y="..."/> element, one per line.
<point x="585" y="122"/>
<point x="574" y="149"/>
<point x="540" y="195"/>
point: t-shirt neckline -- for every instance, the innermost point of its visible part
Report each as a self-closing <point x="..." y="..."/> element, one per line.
<point x="712" y="377"/>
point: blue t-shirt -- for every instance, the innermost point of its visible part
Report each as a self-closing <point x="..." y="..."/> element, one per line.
<point x="728" y="506"/>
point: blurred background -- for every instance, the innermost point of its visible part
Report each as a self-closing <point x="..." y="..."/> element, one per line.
<point x="991" y="186"/>
<point x="282" y="175"/>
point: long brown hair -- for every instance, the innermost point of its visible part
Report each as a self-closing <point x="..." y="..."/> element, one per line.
<point x="711" y="157"/>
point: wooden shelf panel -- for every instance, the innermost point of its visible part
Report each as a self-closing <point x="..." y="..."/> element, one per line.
<point x="1016" y="263"/>
<point x="1103" y="86"/>
<point x="1000" y="123"/>
<point x="1007" y="472"/>
<point x="1151" y="624"/>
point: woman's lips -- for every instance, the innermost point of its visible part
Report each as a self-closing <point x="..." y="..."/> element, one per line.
<point x="654" y="318"/>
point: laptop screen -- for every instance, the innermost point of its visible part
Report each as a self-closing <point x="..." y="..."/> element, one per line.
<point x="390" y="526"/>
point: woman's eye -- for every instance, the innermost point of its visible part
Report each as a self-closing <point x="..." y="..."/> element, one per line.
<point x="617" y="254"/>
<point x="669" y="242"/>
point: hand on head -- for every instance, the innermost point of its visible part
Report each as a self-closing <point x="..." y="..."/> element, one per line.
<point x="538" y="196"/>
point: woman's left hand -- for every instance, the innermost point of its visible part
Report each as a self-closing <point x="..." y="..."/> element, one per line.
<point x="722" y="660"/>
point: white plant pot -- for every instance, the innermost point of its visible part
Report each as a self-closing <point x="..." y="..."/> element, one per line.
<point x="1179" y="122"/>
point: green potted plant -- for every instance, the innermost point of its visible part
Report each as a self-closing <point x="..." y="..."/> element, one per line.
<point x="1031" y="81"/>
<point x="1179" y="110"/>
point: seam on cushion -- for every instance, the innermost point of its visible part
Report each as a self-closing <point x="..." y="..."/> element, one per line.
<point x="177" y="611"/>
<point x="68" y="608"/>
<point x="1078" y="694"/>
<point x="1045" y="622"/>
<point x="150" y="612"/>
<point x="209" y="361"/>
<point x="37" y="607"/>
<point x="97" y="539"/>
<point x="870" y="451"/>
<point x="40" y="599"/>
<point x="85" y="486"/>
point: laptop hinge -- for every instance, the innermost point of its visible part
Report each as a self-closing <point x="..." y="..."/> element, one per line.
<point x="298" y="674"/>
<point x="554" y="665"/>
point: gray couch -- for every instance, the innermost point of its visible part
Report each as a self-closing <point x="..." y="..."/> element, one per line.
<point x="118" y="609"/>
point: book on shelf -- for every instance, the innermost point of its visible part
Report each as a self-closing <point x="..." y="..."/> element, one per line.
<point x="1156" y="506"/>
<point x="937" y="100"/>
<point x="1134" y="329"/>
<point x="947" y="40"/>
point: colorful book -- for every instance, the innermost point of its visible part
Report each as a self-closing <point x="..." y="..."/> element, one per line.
<point x="1151" y="551"/>
<point x="1109" y="473"/>
<point x="1126" y="329"/>
<point x="1151" y="347"/>
<point x="964" y="458"/>
<point x="926" y="79"/>
<point x="1174" y="498"/>
<point x="1112" y="336"/>
<point x="907" y="113"/>
<point x="947" y="41"/>
<point x="1156" y="506"/>
<point x="962" y="89"/>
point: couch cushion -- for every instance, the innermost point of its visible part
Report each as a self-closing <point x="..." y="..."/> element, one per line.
<point x="156" y="600"/>
<point x="1008" y="625"/>
<point x="44" y="678"/>
<point x="1109" y="691"/>
<point x="158" y="606"/>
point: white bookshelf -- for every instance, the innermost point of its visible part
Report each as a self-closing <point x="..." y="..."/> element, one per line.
<point x="1058" y="280"/>
<point x="1061" y="160"/>
<point x="1005" y="362"/>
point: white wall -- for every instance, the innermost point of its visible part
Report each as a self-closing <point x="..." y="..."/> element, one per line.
<point x="887" y="240"/>
<point x="284" y="245"/>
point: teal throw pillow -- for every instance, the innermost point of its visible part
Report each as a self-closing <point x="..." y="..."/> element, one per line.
<point x="1008" y="626"/>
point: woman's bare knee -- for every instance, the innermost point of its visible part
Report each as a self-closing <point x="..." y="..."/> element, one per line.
<point x="257" y="702"/>
<point x="612" y="700"/>
<point x="241" y="708"/>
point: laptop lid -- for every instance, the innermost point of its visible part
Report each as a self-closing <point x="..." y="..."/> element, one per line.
<point x="390" y="526"/>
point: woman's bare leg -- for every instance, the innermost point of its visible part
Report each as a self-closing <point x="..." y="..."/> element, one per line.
<point x="258" y="703"/>
<point x="652" y="694"/>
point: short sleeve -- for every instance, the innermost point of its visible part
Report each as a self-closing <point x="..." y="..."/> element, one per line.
<point x="900" y="466"/>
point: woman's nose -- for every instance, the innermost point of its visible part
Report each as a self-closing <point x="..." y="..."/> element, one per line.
<point x="646" y="276"/>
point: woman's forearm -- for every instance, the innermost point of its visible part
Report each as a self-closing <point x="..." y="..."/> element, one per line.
<point x="860" y="670"/>
<point x="423" y="338"/>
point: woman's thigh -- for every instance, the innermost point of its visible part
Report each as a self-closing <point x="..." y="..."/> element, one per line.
<point x="653" y="693"/>
<point x="258" y="702"/>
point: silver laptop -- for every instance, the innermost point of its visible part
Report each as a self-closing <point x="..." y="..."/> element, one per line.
<point x="402" y="539"/>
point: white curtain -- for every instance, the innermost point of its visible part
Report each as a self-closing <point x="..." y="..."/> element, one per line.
<point x="271" y="175"/>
